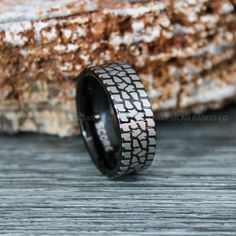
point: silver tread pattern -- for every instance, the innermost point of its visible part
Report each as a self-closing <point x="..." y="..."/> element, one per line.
<point x="135" y="116"/>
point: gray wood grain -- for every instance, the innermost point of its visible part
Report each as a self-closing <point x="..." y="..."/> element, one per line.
<point x="49" y="186"/>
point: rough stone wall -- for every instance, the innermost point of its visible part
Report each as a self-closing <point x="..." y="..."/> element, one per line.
<point x="184" y="52"/>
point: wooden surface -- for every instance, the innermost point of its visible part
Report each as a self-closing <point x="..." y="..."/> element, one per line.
<point x="49" y="186"/>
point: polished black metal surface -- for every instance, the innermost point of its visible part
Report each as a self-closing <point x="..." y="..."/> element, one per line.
<point x="116" y="119"/>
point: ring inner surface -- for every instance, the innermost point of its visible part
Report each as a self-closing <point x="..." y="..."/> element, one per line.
<point x="100" y="127"/>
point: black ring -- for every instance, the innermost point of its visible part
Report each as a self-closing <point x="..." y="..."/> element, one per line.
<point x="116" y="119"/>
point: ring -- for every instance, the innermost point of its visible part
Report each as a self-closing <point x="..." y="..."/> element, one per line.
<point x="116" y="119"/>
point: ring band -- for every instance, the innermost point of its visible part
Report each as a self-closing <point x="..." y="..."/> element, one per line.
<point x="116" y="119"/>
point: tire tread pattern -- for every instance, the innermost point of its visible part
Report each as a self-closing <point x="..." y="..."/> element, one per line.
<point x="135" y="116"/>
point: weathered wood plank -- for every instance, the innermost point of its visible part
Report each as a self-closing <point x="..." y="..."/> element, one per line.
<point x="49" y="186"/>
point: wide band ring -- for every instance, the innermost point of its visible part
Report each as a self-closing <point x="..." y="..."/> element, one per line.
<point x="116" y="119"/>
